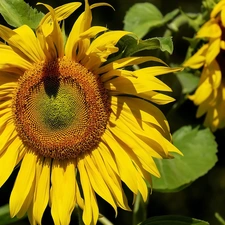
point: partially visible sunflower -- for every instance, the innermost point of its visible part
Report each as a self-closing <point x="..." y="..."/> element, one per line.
<point x="210" y="94"/>
<point x="77" y="124"/>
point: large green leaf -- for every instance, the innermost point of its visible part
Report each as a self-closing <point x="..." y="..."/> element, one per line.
<point x="199" y="149"/>
<point x="143" y="17"/>
<point x="18" y="12"/>
<point x="173" y="220"/>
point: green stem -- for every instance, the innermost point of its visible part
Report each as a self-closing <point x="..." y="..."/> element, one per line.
<point x="219" y="218"/>
<point x="139" y="211"/>
<point x="103" y="220"/>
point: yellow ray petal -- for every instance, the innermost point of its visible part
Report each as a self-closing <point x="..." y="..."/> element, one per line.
<point x="114" y="73"/>
<point x="7" y="135"/>
<point x="82" y="24"/>
<point x="133" y="141"/>
<point x="52" y="35"/>
<point x="30" y="215"/>
<point x="130" y="85"/>
<point x="145" y="111"/>
<point x="111" y="179"/>
<point x="42" y="189"/>
<point x="7" y="77"/>
<point x="218" y="7"/>
<point x="204" y="106"/>
<point x="63" y="191"/>
<point x="198" y="59"/>
<point x="92" y="32"/>
<point x="8" y="160"/>
<point x="210" y="29"/>
<point x="108" y="157"/>
<point x="97" y="181"/>
<point x="129" y="61"/>
<point x="155" y="71"/>
<point x="12" y="62"/>
<point x="213" y="50"/>
<point x="24" y="42"/>
<point x="223" y="16"/>
<point x="26" y="176"/>
<point x="61" y="12"/>
<point x="80" y="200"/>
<point x="101" y="48"/>
<point x="124" y="163"/>
<point x="91" y="212"/>
<point x="156" y="97"/>
<point x="142" y="187"/>
<point x="27" y="202"/>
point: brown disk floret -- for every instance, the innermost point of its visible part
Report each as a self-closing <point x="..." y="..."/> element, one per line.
<point x="60" y="109"/>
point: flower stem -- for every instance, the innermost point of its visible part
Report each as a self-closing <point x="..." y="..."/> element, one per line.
<point x="219" y="218"/>
<point x="103" y="220"/>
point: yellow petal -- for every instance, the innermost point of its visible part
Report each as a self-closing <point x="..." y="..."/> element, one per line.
<point x="97" y="181"/>
<point x="51" y="34"/>
<point x="155" y="71"/>
<point x="8" y="160"/>
<point x="156" y="97"/>
<point x="209" y="30"/>
<point x="24" y="42"/>
<point x="61" y="12"/>
<point x="123" y="161"/>
<point x="127" y="107"/>
<point x="218" y="7"/>
<point x="42" y="190"/>
<point x="198" y="59"/>
<point x="92" y="32"/>
<point x="134" y="86"/>
<point x="8" y="77"/>
<point x="7" y="135"/>
<point x="102" y="47"/>
<point x="129" y="61"/>
<point x="12" y="62"/>
<point x="111" y="179"/>
<point x="139" y="148"/>
<point x="82" y="24"/>
<point x="213" y="50"/>
<point x="26" y="176"/>
<point x="63" y="191"/>
<point x="116" y="73"/>
<point x="223" y="16"/>
<point x="91" y="212"/>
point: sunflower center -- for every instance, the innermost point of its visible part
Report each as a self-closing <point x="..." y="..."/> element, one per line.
<point x="60" y="109"/>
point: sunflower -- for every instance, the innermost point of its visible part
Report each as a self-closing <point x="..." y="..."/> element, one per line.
<point x="77" y="124"/>
<point x="210" y="93"/>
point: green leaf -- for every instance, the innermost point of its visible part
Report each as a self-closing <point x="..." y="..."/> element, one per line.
<point x="141" y="18"/>
<point x="129" y="45"/>
<point x="199" y="149"/>
<point x="5" y="216"/>
<point x="173" y="220"/>
<point x="188" y="81"/>
<point x="169" y="16"/>
<point x="18" y="12"/>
